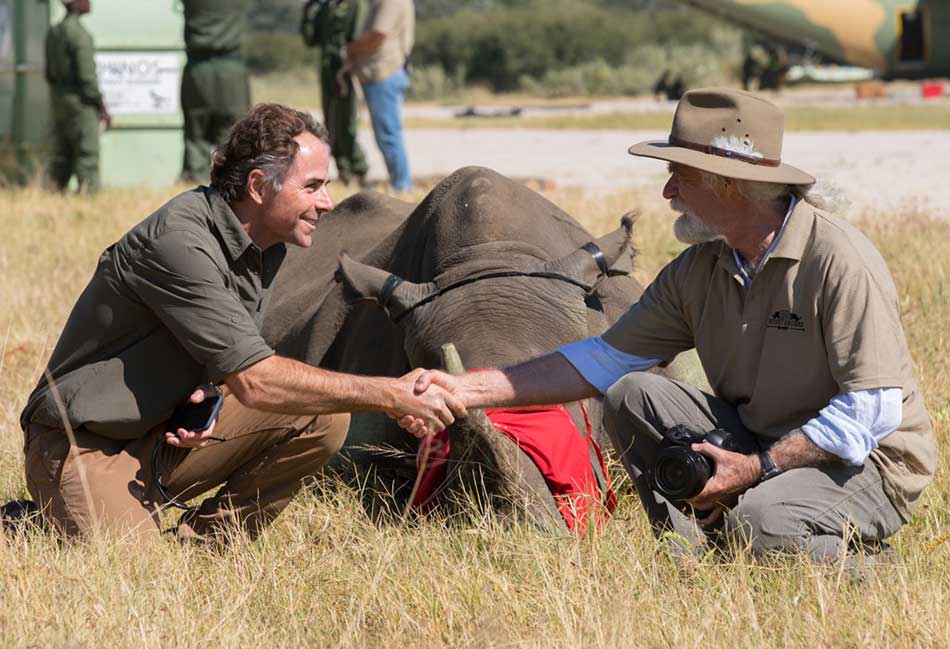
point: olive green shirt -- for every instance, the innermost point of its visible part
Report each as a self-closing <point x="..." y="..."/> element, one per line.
<point x="821" y="318"/>
<point x="214" y="27"/>
<point x="177" y="302"/>
<point x="70" y="61"/>
<point x="397" y="20"/>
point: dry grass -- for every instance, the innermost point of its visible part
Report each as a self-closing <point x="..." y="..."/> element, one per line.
<point x="324" y="575"/>
<point x="856" y="117"/>
<point x="299" y="87"/>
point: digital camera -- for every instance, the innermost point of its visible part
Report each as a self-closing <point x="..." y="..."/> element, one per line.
<point x="680" y="472"/>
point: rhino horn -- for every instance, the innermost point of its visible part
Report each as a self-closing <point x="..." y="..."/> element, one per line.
<point x="608" y="255"/>
<point x="367" y="284"/>
<point x="451" y="361"/>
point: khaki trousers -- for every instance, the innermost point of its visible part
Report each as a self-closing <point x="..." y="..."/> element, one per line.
<point x="802" y="510"/>
<point x="108" y="483"/>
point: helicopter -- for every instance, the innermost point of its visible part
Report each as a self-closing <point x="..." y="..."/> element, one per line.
<point x="906" y="39"/>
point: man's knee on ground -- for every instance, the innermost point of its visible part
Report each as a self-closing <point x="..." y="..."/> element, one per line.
<point x="764" y="524"/>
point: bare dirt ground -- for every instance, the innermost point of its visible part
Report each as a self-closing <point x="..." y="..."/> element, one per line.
<point x="884" y="172"/>
<point x="898" y="93"/>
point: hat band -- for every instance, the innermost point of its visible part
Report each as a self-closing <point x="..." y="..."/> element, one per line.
<point x="724" y="153"/>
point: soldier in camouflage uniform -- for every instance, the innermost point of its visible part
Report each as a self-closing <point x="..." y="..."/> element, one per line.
<point x="76" y="101"/>
<point x="215" y="92"/>
<point x="330" y="25"/>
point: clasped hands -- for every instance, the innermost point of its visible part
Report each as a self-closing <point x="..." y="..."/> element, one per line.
<point x="431" y="402"/>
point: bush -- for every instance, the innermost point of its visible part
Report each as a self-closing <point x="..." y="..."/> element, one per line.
<point x="502" y="46"/>
<point x="273" y="51"/>
<point x="556" y="47"/>
<point x="428" y="82"/>
<point x="696" y="64"/>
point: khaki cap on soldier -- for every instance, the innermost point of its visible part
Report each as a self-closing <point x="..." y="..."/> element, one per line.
<point x="727" y="132"/>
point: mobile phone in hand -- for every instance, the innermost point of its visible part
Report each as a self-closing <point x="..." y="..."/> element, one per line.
<point x="197" y="417"/>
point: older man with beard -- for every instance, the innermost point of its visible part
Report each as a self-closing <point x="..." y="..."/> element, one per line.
<point x="816" y="434"/>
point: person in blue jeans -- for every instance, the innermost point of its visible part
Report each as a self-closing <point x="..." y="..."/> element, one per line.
<point x="378" y="58"/>
<point x="384" y="100"/>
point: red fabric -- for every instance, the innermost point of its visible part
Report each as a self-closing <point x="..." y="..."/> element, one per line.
<point x="548" y="436"/>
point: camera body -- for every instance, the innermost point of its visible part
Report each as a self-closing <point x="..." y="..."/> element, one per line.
<point x="680" y="472"/>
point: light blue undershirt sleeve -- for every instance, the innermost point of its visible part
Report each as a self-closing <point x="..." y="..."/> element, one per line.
<point x="852" y="424"/>
<point x="600" y="364"/>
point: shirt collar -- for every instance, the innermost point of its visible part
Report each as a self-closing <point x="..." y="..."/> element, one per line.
<point x="794" y="243"/>
<point x="797" y="232"/>
<point x="236" y="240"/>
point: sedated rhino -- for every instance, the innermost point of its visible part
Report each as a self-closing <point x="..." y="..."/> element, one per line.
<point x="486" y="264"/>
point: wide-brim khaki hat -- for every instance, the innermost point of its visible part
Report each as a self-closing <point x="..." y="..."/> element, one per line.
<point x="729" y="133"/>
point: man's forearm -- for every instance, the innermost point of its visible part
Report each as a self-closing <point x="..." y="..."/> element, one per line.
<point x="278" y="384"/>
<point x="796" y="450"/>
<point x="366" y="43"/>
<point x="543" y="380"/>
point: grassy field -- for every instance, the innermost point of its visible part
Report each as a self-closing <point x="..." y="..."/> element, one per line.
<point x="325" y="575"/>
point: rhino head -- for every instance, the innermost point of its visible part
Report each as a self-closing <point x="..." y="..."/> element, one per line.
<point x="495" y="314"/>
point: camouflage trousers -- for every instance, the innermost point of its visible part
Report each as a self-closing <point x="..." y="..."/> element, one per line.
<point x="215" y="94"/>
<point x="340" y="117"/>
<point x="75" y="146"/>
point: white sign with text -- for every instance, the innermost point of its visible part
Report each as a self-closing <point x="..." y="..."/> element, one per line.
<point x="139" y="82"/>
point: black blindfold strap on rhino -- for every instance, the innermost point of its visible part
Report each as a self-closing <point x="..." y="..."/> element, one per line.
<point x="385" y="293"/>
<point x="598" y="256"/>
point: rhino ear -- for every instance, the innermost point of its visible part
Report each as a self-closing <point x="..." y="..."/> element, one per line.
<point x="608" y="255"/>
<point x="370" y="285"/>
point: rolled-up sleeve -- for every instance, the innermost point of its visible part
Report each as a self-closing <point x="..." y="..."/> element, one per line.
<point x="852" y="424"/>
<point x="600" y="364"/>
<point x="177" y="280"/>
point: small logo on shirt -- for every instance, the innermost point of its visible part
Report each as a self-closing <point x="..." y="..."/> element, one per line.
<point x="786" y="320"/>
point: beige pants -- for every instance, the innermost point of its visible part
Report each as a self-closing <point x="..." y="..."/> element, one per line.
<point x="261" y="464"/>
<point x="808" y="509"/>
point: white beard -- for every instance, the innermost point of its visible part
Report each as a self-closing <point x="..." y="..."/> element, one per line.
<point x="688" y="228"/>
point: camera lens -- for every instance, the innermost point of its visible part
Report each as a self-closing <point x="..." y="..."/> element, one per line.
<point x="681" y="473"/>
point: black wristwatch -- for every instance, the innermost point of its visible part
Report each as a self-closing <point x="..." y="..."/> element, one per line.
<point x="769" y="470"/>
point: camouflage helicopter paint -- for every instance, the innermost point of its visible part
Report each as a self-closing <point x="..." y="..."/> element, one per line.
<point x="898" y="38"/>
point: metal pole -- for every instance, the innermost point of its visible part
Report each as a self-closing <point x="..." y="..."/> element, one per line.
<point x="20" y="90"/>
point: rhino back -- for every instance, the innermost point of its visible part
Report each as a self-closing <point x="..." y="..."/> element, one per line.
<point x="475" y="211"/>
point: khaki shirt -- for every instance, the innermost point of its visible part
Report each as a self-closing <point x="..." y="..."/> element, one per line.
<point x="821" y="318"/>
<point x="214" y="27"/>
<point x="177" y="302"/>
<point x="397" y="20"/>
